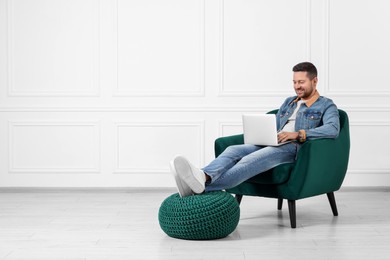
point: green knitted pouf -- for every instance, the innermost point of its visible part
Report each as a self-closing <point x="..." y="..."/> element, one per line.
<point x="209" y="215"/>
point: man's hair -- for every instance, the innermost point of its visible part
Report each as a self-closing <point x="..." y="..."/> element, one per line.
<point x="308" y="67"/>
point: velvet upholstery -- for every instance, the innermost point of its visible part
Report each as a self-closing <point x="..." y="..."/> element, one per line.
<point x="320" y="168"/>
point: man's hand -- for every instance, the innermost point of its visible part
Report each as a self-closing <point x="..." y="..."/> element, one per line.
<point x="287" y="136"/>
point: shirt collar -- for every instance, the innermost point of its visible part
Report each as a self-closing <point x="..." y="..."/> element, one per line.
<point x="311" y="101"/>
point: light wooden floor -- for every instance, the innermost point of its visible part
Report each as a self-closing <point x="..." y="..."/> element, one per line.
<point x="124" y="225"/>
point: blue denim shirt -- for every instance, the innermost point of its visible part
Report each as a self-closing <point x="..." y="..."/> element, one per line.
<point x="317" y="118"/>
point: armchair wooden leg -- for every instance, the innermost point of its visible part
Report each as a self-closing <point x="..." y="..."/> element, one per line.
<point x="238" y="198"/>
<point x="332" y="202"/>
<point x="293" y="215"/>
<point x="280" y="204"/>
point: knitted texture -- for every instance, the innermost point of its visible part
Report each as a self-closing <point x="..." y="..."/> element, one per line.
<point x="209" y="215"/>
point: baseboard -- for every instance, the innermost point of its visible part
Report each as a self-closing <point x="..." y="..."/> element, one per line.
<point x="86" y="189"/>
<point x="365" y="188"/>
<point x="148" y="189"/>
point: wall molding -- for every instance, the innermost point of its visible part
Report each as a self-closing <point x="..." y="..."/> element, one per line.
<point x="371" y="123"/>
<point x="368" y="171"/>
<point x="136" y="109"/>
<point x="235" y="93"/>
<point x="199" y="92"/>
<point x="127" y="170"/>
<point x="27" y="123"/>
<point x="223" y="124"/>
<point x="221" y="108"/>
<point x="10" y="74"/>
<point x="326" y="58"/>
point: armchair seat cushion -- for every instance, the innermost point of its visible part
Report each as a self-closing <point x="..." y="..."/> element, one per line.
<point x="278" y="175"/>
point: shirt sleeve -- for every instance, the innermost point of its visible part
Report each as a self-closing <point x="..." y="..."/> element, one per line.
<point x="331" y="124"/>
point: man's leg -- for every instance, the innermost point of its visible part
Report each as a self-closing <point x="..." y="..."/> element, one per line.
<point x="190" y="176"/>
<point x="228" y="158"/>
<point x="252" y="164"/>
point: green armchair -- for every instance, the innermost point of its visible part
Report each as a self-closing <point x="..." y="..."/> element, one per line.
<point x="320" y="168"/>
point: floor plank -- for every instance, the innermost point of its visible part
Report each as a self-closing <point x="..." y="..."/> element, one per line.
<point x="124" y="225"/>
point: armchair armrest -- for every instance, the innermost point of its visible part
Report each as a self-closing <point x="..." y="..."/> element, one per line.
<point x="222" y="143"/>
<point x="320" y="167"/>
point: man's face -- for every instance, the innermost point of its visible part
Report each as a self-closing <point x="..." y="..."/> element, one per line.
<point x="304" y="87"/>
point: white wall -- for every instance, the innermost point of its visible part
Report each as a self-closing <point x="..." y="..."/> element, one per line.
<point x="103" y="93"/>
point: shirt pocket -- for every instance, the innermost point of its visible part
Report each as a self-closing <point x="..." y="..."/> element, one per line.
<point x="312" y="118"/>
<point x="284" y="114"/>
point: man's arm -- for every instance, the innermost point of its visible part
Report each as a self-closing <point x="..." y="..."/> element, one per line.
<point x="329" y="129"/>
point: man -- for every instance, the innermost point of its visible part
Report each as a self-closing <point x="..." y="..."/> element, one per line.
<point x="303" y="117"/>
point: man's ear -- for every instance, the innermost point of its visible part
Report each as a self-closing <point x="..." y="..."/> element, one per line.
<point x="315" y="80"/>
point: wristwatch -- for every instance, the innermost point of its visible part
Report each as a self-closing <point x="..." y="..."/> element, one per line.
<point x="301" y="136"/>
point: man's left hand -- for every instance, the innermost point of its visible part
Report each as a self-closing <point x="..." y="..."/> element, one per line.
<point x="287" y="136"/>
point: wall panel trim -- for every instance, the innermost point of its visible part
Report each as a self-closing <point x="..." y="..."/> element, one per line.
<point x="38" y="170"/>
<point x="178" y="109"/>
<point x="96" y="78"/>
<point x="229" y="93"/>
<point x="199" y="92"/>
<point x="126" y="170"/>
<point x="383" y="123"/>
<point x="326" y="58"/>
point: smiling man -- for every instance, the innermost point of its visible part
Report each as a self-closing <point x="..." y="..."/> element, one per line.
<point x="302" y="117"/>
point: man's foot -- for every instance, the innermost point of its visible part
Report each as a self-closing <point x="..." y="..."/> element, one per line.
<point x="183" y="189"/>
<point x="191" y="175"/>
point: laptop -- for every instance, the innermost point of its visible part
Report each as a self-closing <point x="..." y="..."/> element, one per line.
<point x="260" y="129"/>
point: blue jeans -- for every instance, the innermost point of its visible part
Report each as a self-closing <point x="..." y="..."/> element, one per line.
<point x="239" y="163"/>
